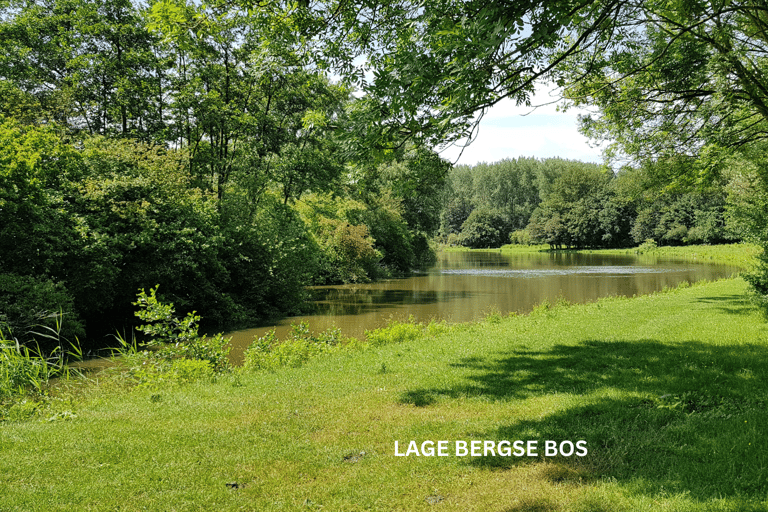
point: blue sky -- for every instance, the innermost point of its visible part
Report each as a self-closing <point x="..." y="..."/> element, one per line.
<point x="509" y="131"/>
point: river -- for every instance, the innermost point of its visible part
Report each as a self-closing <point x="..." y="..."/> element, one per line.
<point x="465" y="286"/>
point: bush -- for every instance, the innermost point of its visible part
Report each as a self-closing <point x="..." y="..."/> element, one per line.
<point x="483" y="229"/>
<point x="521" y="237"/>
<point x="173" y="338"/>
<point x="394" y="332"/>
<point x="384" y="218"/>
<point x="268" y="353"/>
<point x="38" y="312"/>
<point x="648" y="246"/>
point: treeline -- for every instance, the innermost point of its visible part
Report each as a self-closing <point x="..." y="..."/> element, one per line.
<point x="211" y="159"/>
<point x="570" y="204"/>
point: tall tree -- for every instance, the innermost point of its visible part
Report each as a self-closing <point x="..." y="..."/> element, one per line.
<point x="686" y="77"/>
<point x="90" y="64"/>
<point x="436" y="65"/>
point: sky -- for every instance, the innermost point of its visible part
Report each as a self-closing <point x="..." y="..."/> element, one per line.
<point x="509" y="131"/>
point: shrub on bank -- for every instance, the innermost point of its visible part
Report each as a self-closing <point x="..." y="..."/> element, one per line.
<point x="269" y="353"/>
<point x="38" y="312"/>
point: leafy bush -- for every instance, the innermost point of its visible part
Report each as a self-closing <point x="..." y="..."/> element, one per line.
<point x="521" y="237"/>
<point x="269" y="353"/>
<point x="34" y="309"/>
<point x="384" y="218"/>
<point x="484" y="228"/>
<point x="648" y="246"/>
<point x="394" y="332"/>
<point x="270" y="255"/>
<point x="174" y="338"/>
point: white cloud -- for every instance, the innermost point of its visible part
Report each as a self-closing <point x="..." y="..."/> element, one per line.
<point x="511" y="131"/>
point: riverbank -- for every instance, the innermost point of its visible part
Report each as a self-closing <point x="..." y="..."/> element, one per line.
<point x="741" y="255"/>
<point x="668" y="391"/>
<point x="466" y="284"/>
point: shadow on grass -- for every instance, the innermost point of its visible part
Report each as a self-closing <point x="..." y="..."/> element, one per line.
<point x="733" y="304"/>
<point x="658" y="417"/>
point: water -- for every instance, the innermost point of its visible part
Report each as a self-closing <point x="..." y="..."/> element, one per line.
<point x="465" y="286"/>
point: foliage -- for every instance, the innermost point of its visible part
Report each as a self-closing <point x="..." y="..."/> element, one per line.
<point x="105" y="217"/>
<point x="142" y="223"/>
<point x="20" y="369"/>
<point x="437" y="65"/>
<point x="172" y="338"/>
<point x="269" y="255"/>
<point x="25" y="373"/>
<point x="395" y="332"/>
<point x="32" y="308"/>
<point x="683" y="80"/>
<point x="347" y="252"/>
<point x="160" y="375"/>
<point x="415" y="176"/>
<point x="384" y="217"/>
<point x="87" y="64"/>
<point x="269" y="353"/>
<point x="521" y="237"/>
<point x="556" y="201"/>
<point x="579" y="210"/>
<point x="484" y="228"/>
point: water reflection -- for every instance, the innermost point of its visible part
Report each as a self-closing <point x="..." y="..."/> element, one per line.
<point x="355" y="301"/>
<point x="465" y="286"/>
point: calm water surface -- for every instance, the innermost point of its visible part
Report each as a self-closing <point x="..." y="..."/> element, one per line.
<point x="465" y="286"/>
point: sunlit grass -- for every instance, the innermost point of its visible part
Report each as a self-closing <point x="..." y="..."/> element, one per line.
<point x="740" y="255"/>
<point x="669" y="391"/>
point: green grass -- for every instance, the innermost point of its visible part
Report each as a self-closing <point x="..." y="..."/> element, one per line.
<point x="669" y="391"/>
<point x="740" y="255"/>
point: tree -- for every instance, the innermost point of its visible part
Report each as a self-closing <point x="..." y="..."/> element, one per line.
<point x="578" y="210"/>
<point x="484" y="228"/>
<point x="436" y="65"/>
<point x="90" y="64"/>
<point x="677" y="78"/>
<point x="415" y="176"/>
<point x="244" y="101"/>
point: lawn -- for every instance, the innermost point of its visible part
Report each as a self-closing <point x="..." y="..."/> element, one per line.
<point x="667" y="391"/>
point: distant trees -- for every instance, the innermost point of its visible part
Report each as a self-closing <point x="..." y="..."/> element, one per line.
<point x="485" y="203"/>
<point x="571" y="204"/>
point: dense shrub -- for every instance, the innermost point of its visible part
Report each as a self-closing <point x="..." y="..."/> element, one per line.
<point x="521" y="237"/>
<point x="384" y="217"/>
<point x="484" y="228"/>
<point x="269" y="353"/>
<point x="173" y="338"/>
<point x="38" y="312"/>
<point x="345" y="249"/>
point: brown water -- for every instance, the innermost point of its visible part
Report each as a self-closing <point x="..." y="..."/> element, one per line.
<point x="465" y="286"/>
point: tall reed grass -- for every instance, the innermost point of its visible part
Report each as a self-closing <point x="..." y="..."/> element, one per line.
<point x="24" y="370"/>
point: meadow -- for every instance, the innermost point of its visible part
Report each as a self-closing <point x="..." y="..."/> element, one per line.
<point x="668" y="391"/>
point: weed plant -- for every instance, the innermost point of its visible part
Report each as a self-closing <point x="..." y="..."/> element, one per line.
<point x="21" y="370"/>
<point x="269" y="353"/>
<point x="174" y="352"/>
<point x="26" y="373"/>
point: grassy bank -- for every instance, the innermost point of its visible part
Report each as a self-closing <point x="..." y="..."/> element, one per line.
<point x="740" y="255"/>
<point x="668" y="391"/>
